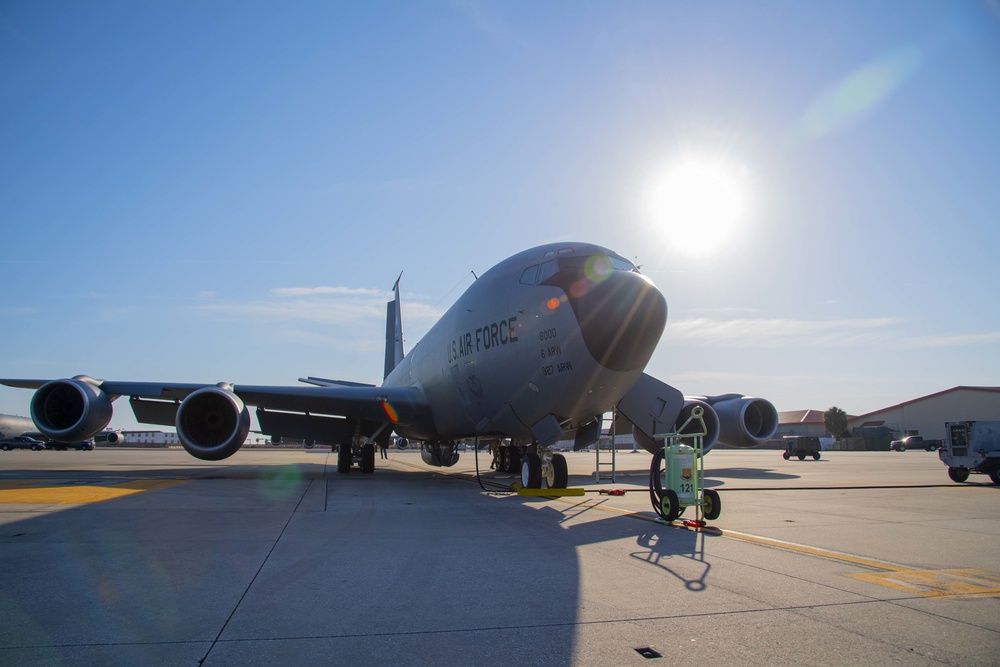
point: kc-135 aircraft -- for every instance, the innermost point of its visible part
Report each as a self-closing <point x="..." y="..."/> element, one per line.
<point x="536" y="351"/>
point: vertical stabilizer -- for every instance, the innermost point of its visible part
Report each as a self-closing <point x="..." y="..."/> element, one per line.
<point x="393" y="332"/>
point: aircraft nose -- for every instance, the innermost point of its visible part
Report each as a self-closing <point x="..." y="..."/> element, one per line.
<point x="621" y="317"/>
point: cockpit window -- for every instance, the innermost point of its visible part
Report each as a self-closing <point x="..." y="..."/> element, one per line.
<point x="600" y="262"/>
<point x="593" y="267"/>
<point x="530" y="275"/>
<point x="548" y="269"/>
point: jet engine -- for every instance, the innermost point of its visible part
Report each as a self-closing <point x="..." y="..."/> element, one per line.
<point x="71" y="410"/>
<point x="212" y="423"/>
<point x="439" y="454"/>
<point x="711" y="426"/>
<point x="744" y="421"/>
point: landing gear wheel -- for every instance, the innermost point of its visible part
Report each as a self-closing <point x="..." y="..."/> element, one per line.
<point x="504" y="456"/>
<point x="515" y="460"/>
<point x="368" y="458"/>
<point x="958" y="474"/>
<point x="815" y="456"/>
<point x="712" y="504"/>
<point x="344" y="459"/>
<point x="558" y="475"/>
<point x="671" y="505"/>
<point x="995" y="475"/>
<point x="531" y="472"/>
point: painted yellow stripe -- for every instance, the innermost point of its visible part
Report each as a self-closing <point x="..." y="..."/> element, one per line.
<point x="550" y="493"/>
<point x="57" y="492"/>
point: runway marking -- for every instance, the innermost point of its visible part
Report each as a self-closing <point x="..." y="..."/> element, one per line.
<point x="61" y="492"/>
<point x="937" y="583"/>
<point x="927" y="583"/>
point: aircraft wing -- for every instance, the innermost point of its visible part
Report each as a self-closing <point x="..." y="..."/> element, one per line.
<point x="328" y="413"/>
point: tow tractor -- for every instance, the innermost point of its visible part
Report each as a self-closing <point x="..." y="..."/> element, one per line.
<point x="676" y="475"/>
<point x="972" y="446"/>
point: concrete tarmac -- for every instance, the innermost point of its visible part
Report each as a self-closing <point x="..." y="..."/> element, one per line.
<point x="151" y="557"/>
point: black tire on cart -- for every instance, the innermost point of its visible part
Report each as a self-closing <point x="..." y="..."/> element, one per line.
<point x="958" y="474"/>
<point x="995" y="475"/>
<point x="802" y="456"/>
<point x="671" y="505"/>
<point x="816" y="456"/>
<point x="712" y="504"/>
<point x="786" y="455"/>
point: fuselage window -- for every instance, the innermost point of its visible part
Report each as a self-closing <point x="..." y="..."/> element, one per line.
<point x="530" y="275"/>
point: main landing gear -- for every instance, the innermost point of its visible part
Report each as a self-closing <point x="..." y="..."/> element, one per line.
<point x="549" y="467"/>
<point x="361" y="455"/>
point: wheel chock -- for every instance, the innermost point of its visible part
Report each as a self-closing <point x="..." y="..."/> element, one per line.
<point x="694" y="523"/>
<point x="612" y="492"/>
<point x="550" y="493"/>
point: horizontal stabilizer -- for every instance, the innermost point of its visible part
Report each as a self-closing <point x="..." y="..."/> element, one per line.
<point x="323" y="382"/>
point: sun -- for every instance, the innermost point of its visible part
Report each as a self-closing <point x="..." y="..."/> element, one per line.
<point x="699" y="204"/>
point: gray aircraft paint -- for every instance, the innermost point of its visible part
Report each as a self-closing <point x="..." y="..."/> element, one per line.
<point x="538" y="346"/>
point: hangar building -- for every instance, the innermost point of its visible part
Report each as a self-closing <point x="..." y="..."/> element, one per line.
<point x="927" y="415"/>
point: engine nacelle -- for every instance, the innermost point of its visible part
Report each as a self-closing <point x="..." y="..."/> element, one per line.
<point x="71" y="410"/>
<point x="744" y="421"/>
<point x="212" y="423"/>
<point x="712" y="427"/>
<point x="113" y="438"/>
<point x="439" y="454"/>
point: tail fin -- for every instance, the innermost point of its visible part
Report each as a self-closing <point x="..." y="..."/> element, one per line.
<point x="393" y="332"/>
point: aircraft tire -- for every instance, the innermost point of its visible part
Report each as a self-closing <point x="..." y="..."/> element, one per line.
<point x="515" y="460"/>
<point x="671" y="505"/>
<point x="368" y="458"/>
<point x="560" y="472"/>
<point x="712" y="505"/>
<point x="958" y="474"/>
<point x="344" y="459"/>
<point x="505" y="460"/>
<point x="531" y="472"/>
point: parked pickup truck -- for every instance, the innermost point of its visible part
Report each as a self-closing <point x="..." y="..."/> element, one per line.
<point x="914" y="442"/>
<point x="22" y="442"/>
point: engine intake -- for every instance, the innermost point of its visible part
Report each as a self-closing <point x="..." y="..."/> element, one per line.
<point x="212" y="423"/>
<point x="744" y="421"/>
<point x="71" y="410"/>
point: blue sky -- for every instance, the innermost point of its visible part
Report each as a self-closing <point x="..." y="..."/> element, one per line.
<point x="207" y="191"/>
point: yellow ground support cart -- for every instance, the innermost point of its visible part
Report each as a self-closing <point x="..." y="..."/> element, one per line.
<point x="676" y="474"/>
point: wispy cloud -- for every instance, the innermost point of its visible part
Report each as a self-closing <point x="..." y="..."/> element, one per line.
<point x="958" y="340"/>
<point x="759" y="332"/>
<point x="323" y="291"/>
<point x="775" y="333"/>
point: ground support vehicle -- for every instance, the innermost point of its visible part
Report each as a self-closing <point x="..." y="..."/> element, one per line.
<point x="676" y="474"/>
<point x="971" y="447"/>
<point x="82" y="446"/>
<point x="914" y="442"/>
<point x="21" y="442"/>
<point x="801" y="446"/>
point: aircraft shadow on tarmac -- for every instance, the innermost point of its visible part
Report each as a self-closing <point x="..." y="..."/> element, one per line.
<point x="393" y="563"/>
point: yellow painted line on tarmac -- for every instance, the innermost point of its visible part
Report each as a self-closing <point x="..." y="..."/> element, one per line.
<point x="58" y="492"/>
<point x="948" y="583"/>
